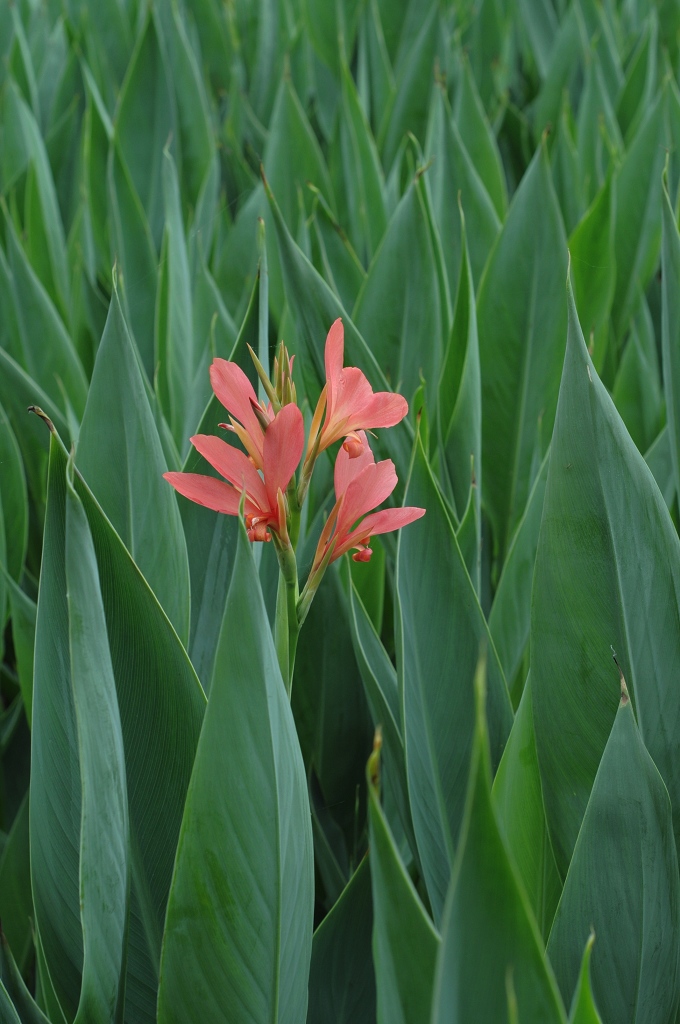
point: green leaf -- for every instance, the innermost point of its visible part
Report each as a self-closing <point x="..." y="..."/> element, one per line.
<point x="48" y="354"/>
<point x="53" y="260"/>
<point x="134" y="254"/>
<point x="238" y="932"/>
<point x="607" y="572"/>
<point x="13" y="498"/>
<point x="638" y="213"/>
<point x="598" y="136"/>
<point x="510" y="617"/>
<point x="460" y="395"/>
<point x="489" y="934"/>
<point x="104" y="825"/>
<point x="160" y="727"/>
<point x="405" y="942"/>
<point x="541" y="26"/>
<point x="637" y="392"/>
<point x="196" y="133"/>
<point x="565" y="170"/>
<point x="520" y="318"/>
<point x="182" y="358"/>
<point x="401" y="316"/>
<point x="362" y="173"/>
<point x="16" y="904"/>
<point x="22" y="612"/>
<point x="341" y="980"/>
<point x="411" y="100"/>
<point x="583" y="1009"/>
<point x="119" y="454"/>
<point x="440" y="628"/>
<point x="14" y="984"/>
<point x="9" y="1013"/>
<point x="564" y="62"/>
<point x="593" y="266"/>
<point x="623" y="884"/>
<point x="660" y="460"/>
<point x="670" y="330"/>
<point x="518" y="802"/>
<point x="638" y="89"/>
<point x="453" y="173"/>
<point x="146" y="121"/>
<point x="478" y="137"/>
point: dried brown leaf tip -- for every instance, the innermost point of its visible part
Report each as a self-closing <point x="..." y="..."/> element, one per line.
<point x="625" y="696"/>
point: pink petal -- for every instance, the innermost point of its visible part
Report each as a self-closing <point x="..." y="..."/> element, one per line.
<point x="385" y="521"/>
<point x="333" y="358"/>
<point x="235" y="392"/>
<point x="385" y="409"/>
<point x="372" y="486"/>
<point x="351" y="392"/>
<point x="347" y="469"/>
<point x="283" y="444"/>
<point x="206" y="490"/>
<point x="233" y="465"/>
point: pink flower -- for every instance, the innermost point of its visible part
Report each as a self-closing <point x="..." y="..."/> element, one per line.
<point x="360" y="485"/>
<point x="236" y="393"/>
<point x="265" y="506"/>
<point x="349" y="401"/>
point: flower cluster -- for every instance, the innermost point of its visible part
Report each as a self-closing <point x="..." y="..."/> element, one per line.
<point x="262" y="478"/>
<point x="273" y="438"/>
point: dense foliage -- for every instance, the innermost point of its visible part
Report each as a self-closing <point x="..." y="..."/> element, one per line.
<point x="459" y="806"/>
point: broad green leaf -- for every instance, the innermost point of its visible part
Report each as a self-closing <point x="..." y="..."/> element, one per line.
<point x="563" y="65"/>
<point x="489" y="933"/>
<point x="521" y="324"/>
<point x="104" y="825"/>
<point x="468" y="536"/>
<point x="341" y="980"/>
<point x="331" y="715"/>
<point x="607" y="574"/>
<point x="292" y="155"/>
<point x="487" y="39"/>
<point x="623" y="884"/>
<point x="510" y="617"/>
<point x="410" y="103"/>
<point x="593" y="266"/>
<point x="541" y="26"/>
<point x="146" y="121"/>
<point x="119" y="453"/>
<point x="53" y="261"/>
<point x="238" y="932"/>
<point x="56" y="808"/>
<point x="460" y="396"/>
<point x="660" y="460"/>
<point x="401" y="315"/>
<point x="134" y="254"/>
<point x="16" y="904"/>
<point x="23" y="612"/>
<point x="160" y="724"/>
<point x="97" y="134"/>
<point x="14" y="985"/>
<point x="314" y="308"/>
<point x="13" y="498"/>
<point x="196" y="132"/>
<point x="376" y="61"/>
<point x="7" y="1009"/>
<point x="405" y="942"/>
<point x="583" y="1009"/>
<point x="478" y="137"/>
<point x="440" y="627"/>
<point x="453" y="174"/>
<point x="670" y="329"/>
<point x="597" y="25"/>
<point x="333" y="256"/>
<point x="638" y="212"/>
<point x="637" y="392"/>
<point x="48" y="352"/>
<point x="565" y="170"/>
<point x="638" y="89"/>
<point x="518" y="802"/>
<point x="362" y="172"/>
<point x="183" y="359"/>
<point x="598" y="136"/>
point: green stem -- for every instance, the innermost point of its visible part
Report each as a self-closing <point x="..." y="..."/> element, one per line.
<point x="287" y="627"/>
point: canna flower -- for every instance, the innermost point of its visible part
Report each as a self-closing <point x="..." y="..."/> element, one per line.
<point x="265" y="503"/>
<point x="249" y="417"/>
<point x="350" y="404"/>
<point x="360" y="485"/>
